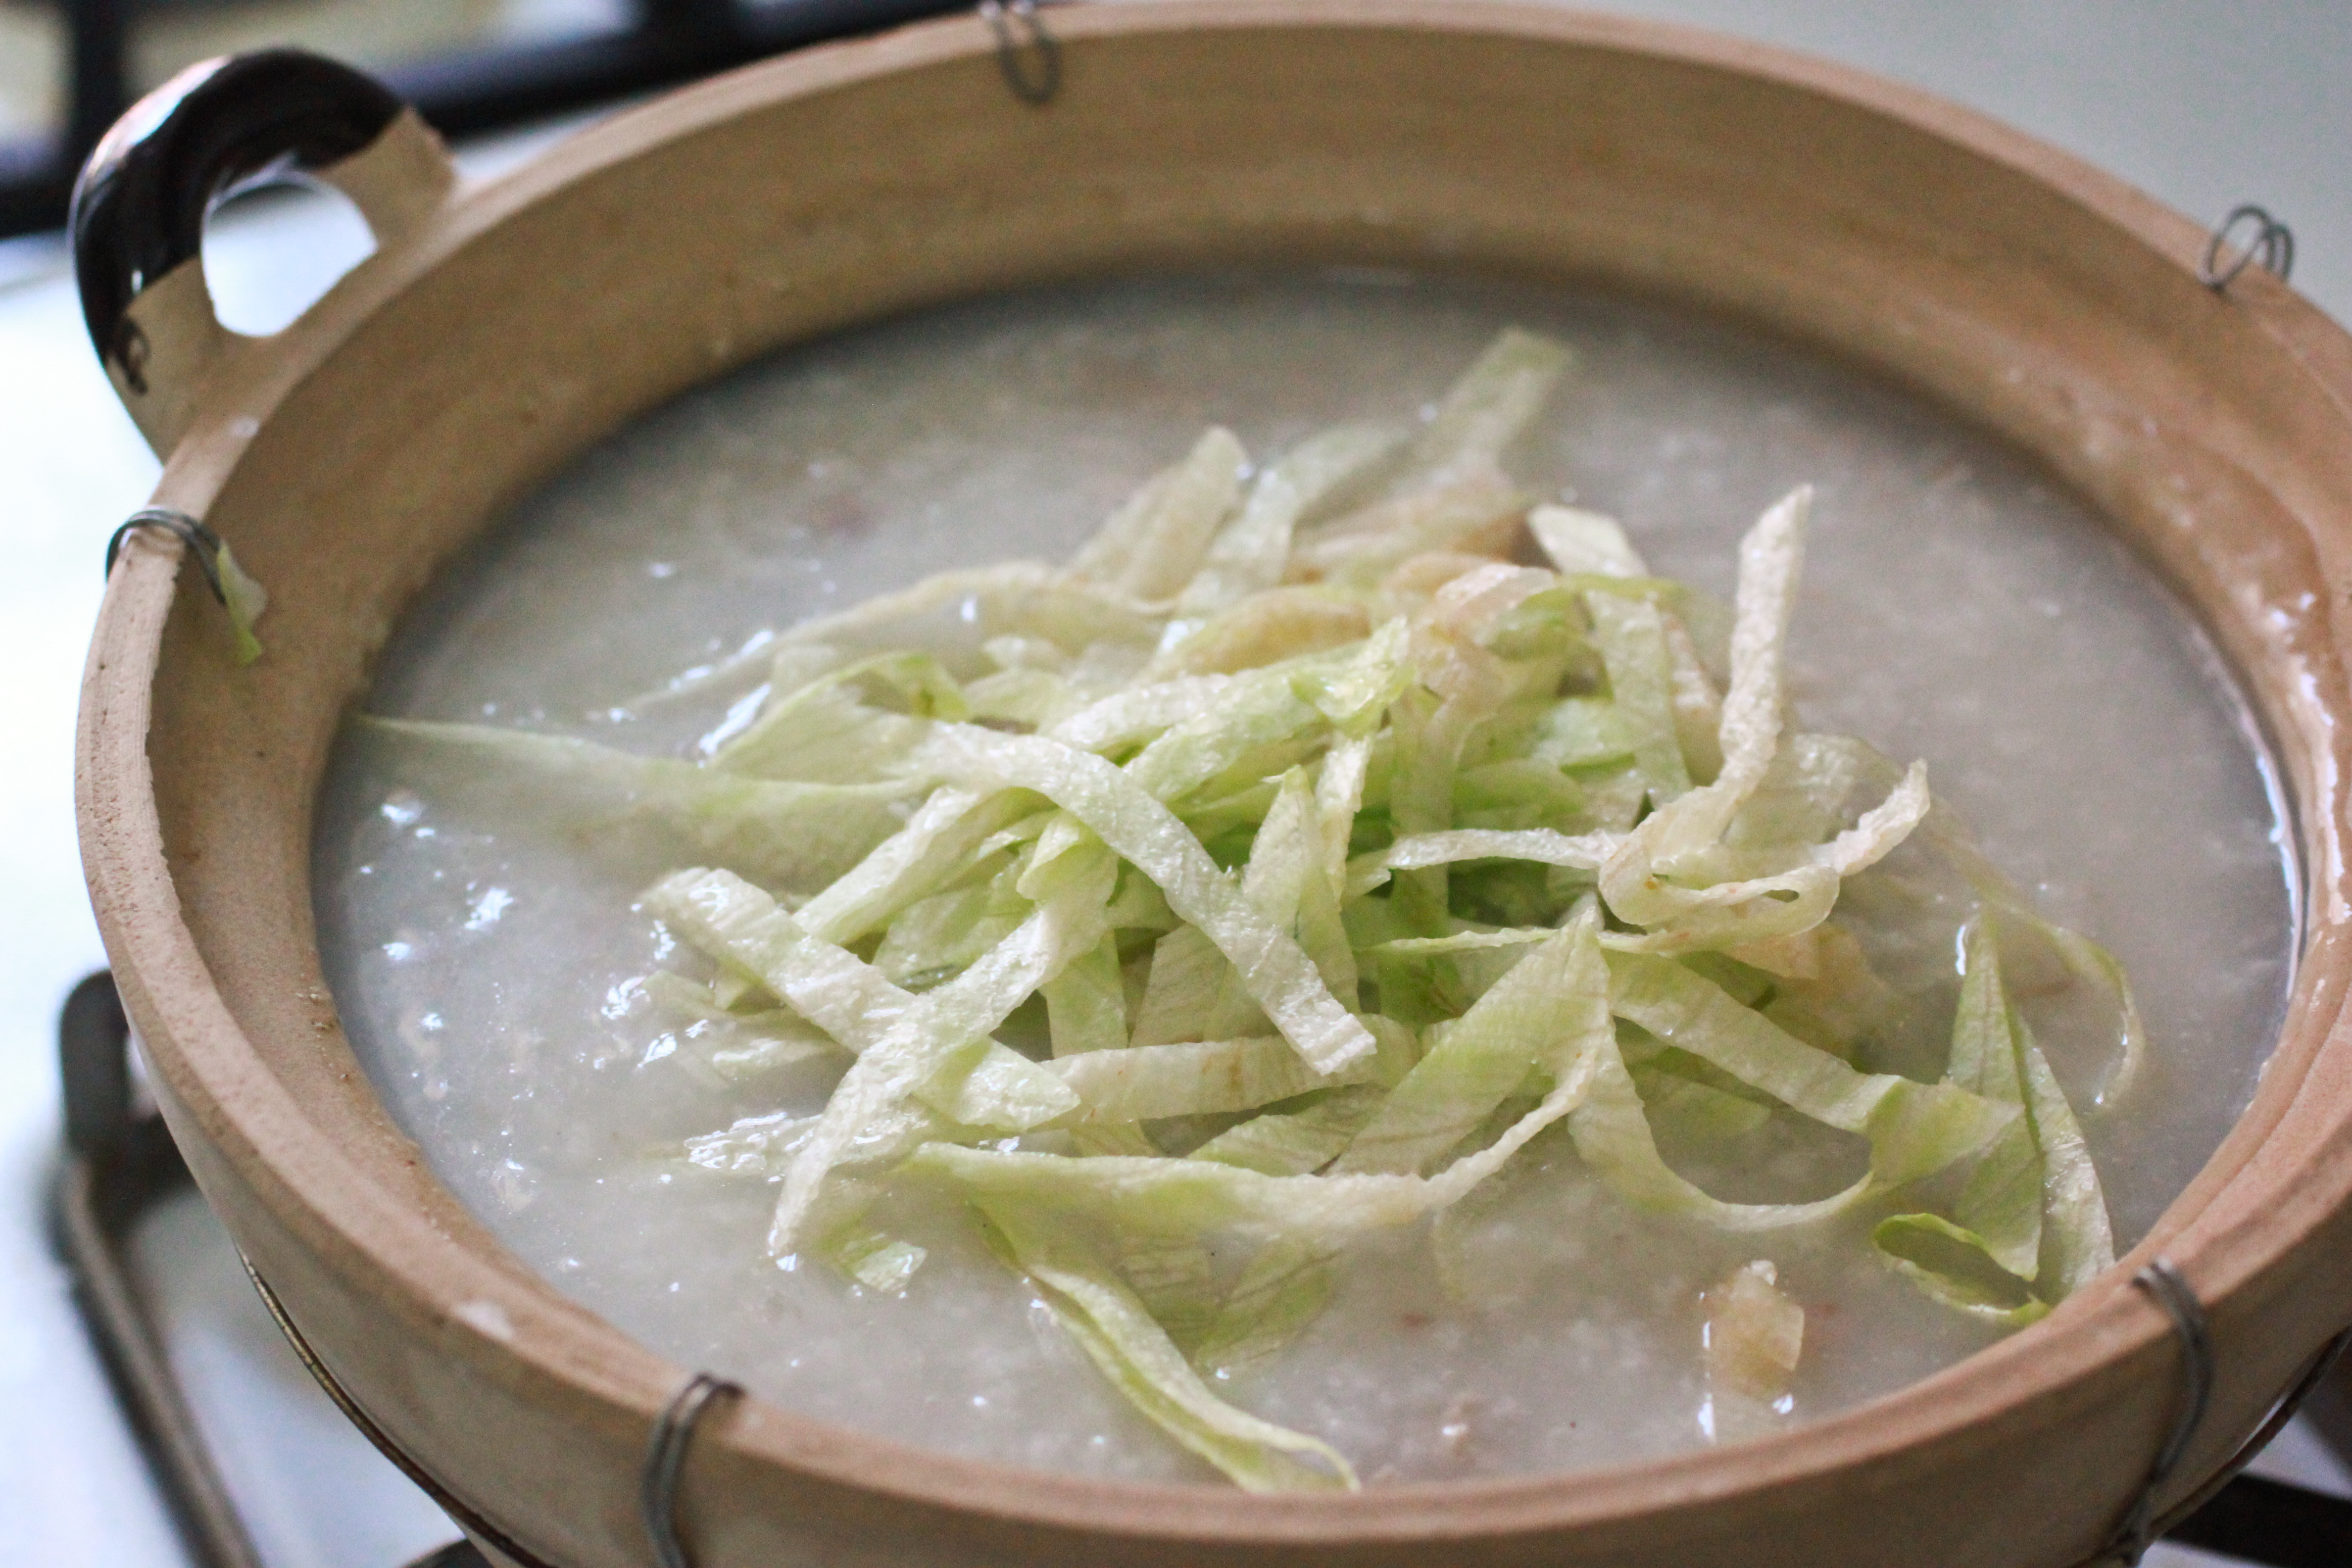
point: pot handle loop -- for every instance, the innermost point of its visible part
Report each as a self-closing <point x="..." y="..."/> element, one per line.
<point x="218" y="128"/>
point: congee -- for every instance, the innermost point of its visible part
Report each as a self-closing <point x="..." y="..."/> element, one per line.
<point x="1323" y="879"/>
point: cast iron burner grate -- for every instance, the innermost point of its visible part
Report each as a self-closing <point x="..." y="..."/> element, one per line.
<point x="663" y="42"/>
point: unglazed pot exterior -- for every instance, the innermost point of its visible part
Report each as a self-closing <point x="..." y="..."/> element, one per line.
<point x="499" y="330"/>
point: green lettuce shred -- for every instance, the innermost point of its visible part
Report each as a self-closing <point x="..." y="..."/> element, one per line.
<point x="244" y="598"/>
<point x="1111" y="1324"/>
<point x="792" y="834"/>
<point x="2031" y="1227"/>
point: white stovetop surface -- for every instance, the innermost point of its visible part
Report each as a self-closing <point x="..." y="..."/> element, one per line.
<point x="2204" y="104"/>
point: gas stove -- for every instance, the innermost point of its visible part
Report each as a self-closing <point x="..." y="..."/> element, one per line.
<point x="151" y="1413"/>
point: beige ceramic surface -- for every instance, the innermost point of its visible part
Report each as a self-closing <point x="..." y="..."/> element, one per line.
<point x="498" y="331"/>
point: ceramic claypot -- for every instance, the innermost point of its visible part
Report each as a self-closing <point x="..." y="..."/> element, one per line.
<point x="497" y="330"/>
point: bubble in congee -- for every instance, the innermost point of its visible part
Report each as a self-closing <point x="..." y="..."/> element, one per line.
<point x="505" y="989"/>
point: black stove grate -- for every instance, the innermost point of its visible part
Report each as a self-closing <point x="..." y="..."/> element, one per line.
<point x="666" y="42"/>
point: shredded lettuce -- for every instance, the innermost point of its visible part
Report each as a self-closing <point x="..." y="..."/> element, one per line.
<point x="741" y="926"/>
<point x="1281" y="1291"/>
<point x="2031" y="1227"/>
<point x="792" y="834"/>
<point x="1274" y="969"/>
<point x="244" y="598"/>
<point x="1150" y="549"/>
<point x="1250" y="552"/>
<point x="1192" y="1078"/>
<point x="1293" y="1144"/>
<point x="1488" y="408"/>
<point x="1281" y="867"/>
<point x="1553" y="995"/>
<point x="1111" y="1324"/>
<point x="1632" y="635"/>
<point x="1585" y="543"/>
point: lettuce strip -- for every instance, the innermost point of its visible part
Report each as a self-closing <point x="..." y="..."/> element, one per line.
<point x="2084" y="958"/>
<point x="1581" y="852"/>
<point x="823" y="735"/>
<point x="1504" y="938"/>
<point x="1488" y="408"/>
<point x="795" y="835"/>
<point x="2002" y="1205"/>
<point x="1028" y="698"/>
<point x="1250" y="552"/>
<point x="1949" y="1265"/>
<point x="1556" y="993"/>
<point x="1469" y="684"/>
<point x="1697" y="705"/>
<point x="1282" y="1289"/>
<point x="1583" y="543"/>
<point x="1085" y="1004"/>
<point x="1139" y="713"/>
<point x="1612" y="1129"/>
<point x="1323" y="880"/>
<point x="1295" y="1142"/>
<point x="1104" y="631"/>
<point x="243" y="597"/>
<point x="1264" y="628"/>
<point x="1281" y="704"/>
<point x="1149" y="548"/>
<point x="936" y="937"/>
<point x="1275" y="970"/>
<point x="1582" y="731"/>
<point x="1340" y="798"/>
<point x="1175" y="1278"/>
<point x="1914" y="1129"/>
<point x="1695" y="1110"/>
<point x="762" y="1147"/>
<point x="874" y="1260"/>
<point x="1478" y="512"/>
<point x="1194" y="1078"/>
<point x="2077" y="1239"/>
<point x="1206" y="1194"/>
<point x="1135" y="1354"/>
<point x="928" y="1033"/>
<point x="1631" y="635"/>
<point x="1192" y="991"/>
<point x="738" y="1046"/>
<point x="2032" y="1226"/>
<point x="741" y="926"/>
<point x="1261" y="711"/>
<point x="1634" y="880"/>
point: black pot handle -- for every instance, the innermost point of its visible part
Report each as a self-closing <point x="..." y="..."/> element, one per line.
<point x="218" y="128"/>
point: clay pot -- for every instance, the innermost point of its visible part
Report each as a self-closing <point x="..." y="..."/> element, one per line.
<point x="498" y="331"/>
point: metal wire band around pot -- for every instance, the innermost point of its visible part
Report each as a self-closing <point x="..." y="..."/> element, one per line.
<point x="2272" y="246"/>
<point x="467" y="1520"/>
<point x="665" y="1453"/>
<point x="193" y="532"/>
<point x="2141" y="1526"/>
